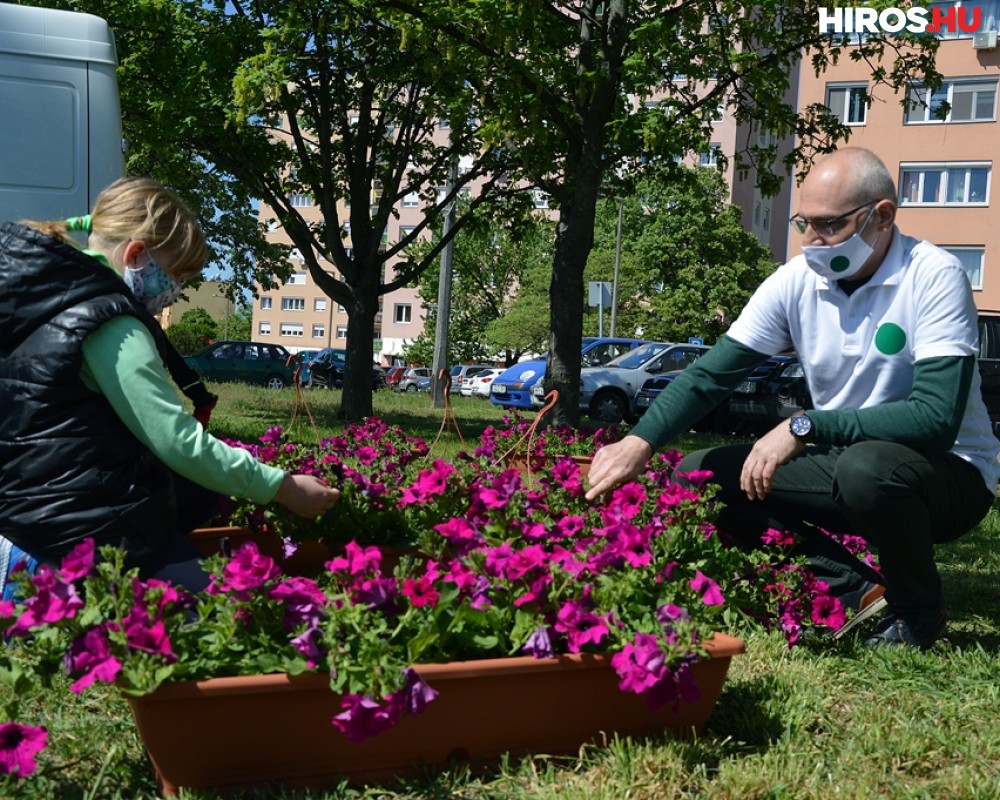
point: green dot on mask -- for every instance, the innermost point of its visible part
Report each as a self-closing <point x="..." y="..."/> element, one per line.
<point x="890" y="339"/>
<point x="839" y="263"/>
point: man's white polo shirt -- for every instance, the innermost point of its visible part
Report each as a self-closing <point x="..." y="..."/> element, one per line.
<point x="859" y="350"/>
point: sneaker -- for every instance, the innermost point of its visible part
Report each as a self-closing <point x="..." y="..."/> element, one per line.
<point x="868" y="601"/>
<point x="918" y="629"/>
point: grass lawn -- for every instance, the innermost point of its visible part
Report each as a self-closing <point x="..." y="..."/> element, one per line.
<point x="824" y="720"/>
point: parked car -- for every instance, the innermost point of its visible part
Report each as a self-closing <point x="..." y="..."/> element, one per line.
<point x="989" y="366"/>
<point x="327" y="368"/>
<point x="460" y="374"/>
<point x="513" y="388"/>
<point x="774" y="392"/>
<point x="408" y="382"/>
<point x="719" y="419"/>
<point x="607" y="393"/>
<point x="306" y="356"/>
<point x="392" y="376"/>
<point x="248" y="362"/>
<point x="479" y="384"/>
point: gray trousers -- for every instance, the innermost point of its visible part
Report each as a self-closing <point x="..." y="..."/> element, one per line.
<point x="902" y="501"/>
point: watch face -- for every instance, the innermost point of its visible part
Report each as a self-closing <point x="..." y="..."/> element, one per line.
<point x="801" y="425"/>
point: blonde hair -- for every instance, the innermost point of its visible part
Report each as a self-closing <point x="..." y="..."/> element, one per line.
<point x="141" y="208"/>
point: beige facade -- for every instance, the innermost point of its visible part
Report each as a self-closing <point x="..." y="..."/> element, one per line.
<point x="943" y="169"/>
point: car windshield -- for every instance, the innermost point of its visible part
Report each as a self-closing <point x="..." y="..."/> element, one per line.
<point x="637" y="358"/>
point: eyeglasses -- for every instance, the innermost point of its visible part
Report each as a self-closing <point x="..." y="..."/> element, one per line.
<point x="826" y="227"/>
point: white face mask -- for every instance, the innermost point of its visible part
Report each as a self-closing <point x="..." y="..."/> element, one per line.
<point x="841" y="261"/>
<point x="152" y="286"/>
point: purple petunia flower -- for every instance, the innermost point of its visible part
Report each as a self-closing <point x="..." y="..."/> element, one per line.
<point x="19" y="744"/>
<point x="363" y="716"/>
<point x="539" y="644"/>
<point x="580" y="626"/>
<point x="416" y="693"/>
<point x="304" y="601"/>
<point x="90" y="654"/>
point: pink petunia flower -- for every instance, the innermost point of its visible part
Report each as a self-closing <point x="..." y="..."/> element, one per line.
<point x="52" y="602"/>
<point x="639" y="665"/>
<point x="78" y="562"/>
<point x="429" y="483"/>
<point x="357" y="560"/>
<point x="709" y="590"/>
<point x="827" y="610"/>
<point x="246" y="570"/>
<point x="304" y="601"/>
<point x="19" y="744"/>
<point x="580" y="626"/>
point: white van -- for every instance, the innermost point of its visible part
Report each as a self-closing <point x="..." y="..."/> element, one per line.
<point x="60" y="133"/>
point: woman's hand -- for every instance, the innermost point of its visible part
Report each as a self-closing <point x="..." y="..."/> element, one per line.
<point x="306" y="495"/>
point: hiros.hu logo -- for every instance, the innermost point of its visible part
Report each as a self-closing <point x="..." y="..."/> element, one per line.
<point x="953" y="20"/>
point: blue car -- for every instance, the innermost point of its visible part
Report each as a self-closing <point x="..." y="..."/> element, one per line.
<point x="512" y="387"/>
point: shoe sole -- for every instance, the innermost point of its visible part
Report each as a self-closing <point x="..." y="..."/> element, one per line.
<point x="864" y="614"/>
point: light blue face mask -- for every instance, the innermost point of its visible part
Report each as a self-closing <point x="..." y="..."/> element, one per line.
<point x="843" y="260"/>
<point x="152" y="286"/>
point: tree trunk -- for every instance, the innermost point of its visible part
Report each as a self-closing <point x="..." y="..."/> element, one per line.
<point x="356" y="403"/>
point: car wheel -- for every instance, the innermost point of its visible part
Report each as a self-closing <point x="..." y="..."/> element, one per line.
<point x="608" y="407"/>
<point x="412" y="387"/>
<point x="275" y="382"/>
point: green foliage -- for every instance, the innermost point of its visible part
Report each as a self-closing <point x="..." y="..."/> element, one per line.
<point x="687" y="265"/>
<point x="501" y="264"/>
<point x="192" y="331"/>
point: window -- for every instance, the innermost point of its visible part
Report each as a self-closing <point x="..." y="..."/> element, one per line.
<point x="969" y="101"/>
<point x="411" y="200"/>
<point x="405" y="230"/>
<point x="265" y="303"/>
<point x="341" y="332"/>
<point x="318" y="330"/>
<point x="319" y="304"/>
<point x="402" y="313"/>
<point x="293" y="304"/>
<point x="299" y="200"/>
<point x="291" y="329"/>
<point x="541" y="198"/>
<point x="972" y="261"/>
<point x="264" y="329"/>
<point x="849" y="104"/>
<point x="944" y="184"/>
<point x="297" y="279"/>
<point x="710" y="158"/>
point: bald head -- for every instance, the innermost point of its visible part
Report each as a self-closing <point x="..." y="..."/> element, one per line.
<point x="854" y="175"/>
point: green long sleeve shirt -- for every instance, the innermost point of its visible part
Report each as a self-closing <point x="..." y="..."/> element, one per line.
<point x="122" y="363"/>
<point x="928" y="419"/>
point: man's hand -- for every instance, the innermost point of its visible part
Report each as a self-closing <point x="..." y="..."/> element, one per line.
<point x="306" y="495"/>
<point x="617" y="463"/>
<point x="769" y="452"/>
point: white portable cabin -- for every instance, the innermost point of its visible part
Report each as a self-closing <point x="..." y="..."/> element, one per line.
<point x="60" y="118"/>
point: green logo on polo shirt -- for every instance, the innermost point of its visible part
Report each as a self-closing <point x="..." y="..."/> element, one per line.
<point x="890" y="339"/>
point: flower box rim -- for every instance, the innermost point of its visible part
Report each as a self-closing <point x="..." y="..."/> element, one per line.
<point x="719" y="646"/>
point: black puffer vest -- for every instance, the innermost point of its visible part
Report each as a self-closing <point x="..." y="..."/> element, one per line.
<point x="69" y="468"/>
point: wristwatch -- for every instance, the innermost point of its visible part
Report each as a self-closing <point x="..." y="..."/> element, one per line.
<point x="801" y="427"/>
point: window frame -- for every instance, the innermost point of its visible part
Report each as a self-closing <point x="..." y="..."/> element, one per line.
<point x="946" y="170"/>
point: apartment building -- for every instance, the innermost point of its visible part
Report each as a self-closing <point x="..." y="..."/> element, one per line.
<point x="943" y="167"/>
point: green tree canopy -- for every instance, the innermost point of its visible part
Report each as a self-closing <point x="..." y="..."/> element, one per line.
<point x="687" y="265"/>
<point x="500" y="265"/>
<point x="192" y="331"/>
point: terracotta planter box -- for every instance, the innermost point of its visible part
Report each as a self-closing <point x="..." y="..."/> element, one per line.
<point x="307" y="560"/>
<point x="259" y="730"/>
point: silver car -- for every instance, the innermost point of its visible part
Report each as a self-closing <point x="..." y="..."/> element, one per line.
<point x="607" y="393"/>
